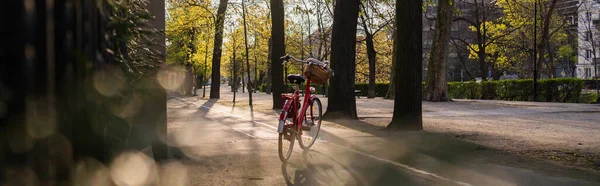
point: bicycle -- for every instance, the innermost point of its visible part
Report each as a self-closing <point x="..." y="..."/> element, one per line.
<point x="294" y="120"/>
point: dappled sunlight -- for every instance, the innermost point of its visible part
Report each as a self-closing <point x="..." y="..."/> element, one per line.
<point x="133" y="168"/>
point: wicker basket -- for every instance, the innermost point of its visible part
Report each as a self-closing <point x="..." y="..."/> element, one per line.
<point x="317" y="74"/>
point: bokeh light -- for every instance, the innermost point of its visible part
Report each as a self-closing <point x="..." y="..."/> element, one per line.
<point x="40" y="119"/>
<point x="22" y="176"/>
<point x="91" y="172"/>
<point x="129" y="106"/>
<point x="133" y="168"/>
<point x="109" y="81"/>
<point x="173" y="174"/>
<point x="170" y="78"/>
<point x="18" y="139"/>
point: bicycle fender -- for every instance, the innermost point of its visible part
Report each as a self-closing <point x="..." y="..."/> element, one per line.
<point x="312" y="97"/>
<point x="283" y="115"/>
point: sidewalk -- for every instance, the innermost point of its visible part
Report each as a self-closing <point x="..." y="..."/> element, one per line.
<point x="560" y="132"/>
<point x="364" y="154"/>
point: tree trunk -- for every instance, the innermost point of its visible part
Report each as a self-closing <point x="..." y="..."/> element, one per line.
<point x="436" y="67"/>
<point x="278" y="50"/>
<point x="188" y="82"/>
<point x="371" y="54"/>
<point x="243" y="82"/>
<point x="409" y="42"/>
<point x="247" y="54"/>
<point x="543" y="46"/>
<point x="391" y="89"/>
<point x="216" y="60"/>
<point x="234" y="69"/>
<point x="256" y="79"/>
<point x="204" y="75"/>
<point x="269" y="78"/>
<point x="341" y="100"/>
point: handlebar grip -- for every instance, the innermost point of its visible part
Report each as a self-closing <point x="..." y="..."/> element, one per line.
<point x="285" y="58"/>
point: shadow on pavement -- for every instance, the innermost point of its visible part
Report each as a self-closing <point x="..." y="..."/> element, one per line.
<point x="447" y="155"/>
<point x="316" y="168"/>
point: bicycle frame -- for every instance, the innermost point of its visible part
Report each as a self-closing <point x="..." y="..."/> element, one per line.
<point x="292" y="102"/>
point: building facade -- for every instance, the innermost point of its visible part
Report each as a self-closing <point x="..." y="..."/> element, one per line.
<point x="588" y="39"/>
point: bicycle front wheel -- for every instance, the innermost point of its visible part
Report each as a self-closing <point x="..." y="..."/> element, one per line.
<point x="313" y="116"/>
<point x="286" y="140"/>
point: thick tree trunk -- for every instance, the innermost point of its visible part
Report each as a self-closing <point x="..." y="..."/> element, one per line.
<point x="391" y="93"/>
<point x="409" y="40"/>
<point x="216" y="60"/>
<point x="436" y="67"/>
<point x="341" y="100"/>
<point x="278" y="50"/>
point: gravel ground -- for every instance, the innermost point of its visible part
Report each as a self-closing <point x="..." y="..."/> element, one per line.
<point x="560" y="132"/>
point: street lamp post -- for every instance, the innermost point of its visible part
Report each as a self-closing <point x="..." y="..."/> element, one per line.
<point x="535" y="51"/>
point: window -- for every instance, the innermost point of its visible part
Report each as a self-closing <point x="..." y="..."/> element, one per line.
<point x="588" y="54"/>
<point x="588" y="35"/>
<point x="588" y="16"/>
<point x="588" y="73"/>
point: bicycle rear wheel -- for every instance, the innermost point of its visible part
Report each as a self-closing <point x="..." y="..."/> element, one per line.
<point x="286" y="140"/>
<point x="313" y="116"/>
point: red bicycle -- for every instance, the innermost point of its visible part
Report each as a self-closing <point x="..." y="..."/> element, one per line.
<point x="301" y="121"/>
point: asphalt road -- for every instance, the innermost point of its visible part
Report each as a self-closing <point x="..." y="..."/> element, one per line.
<point x="225" y="145"/>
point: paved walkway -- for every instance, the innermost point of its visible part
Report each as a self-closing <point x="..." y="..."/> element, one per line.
<point x="224" y="145"/>
<point x="507" y="125"/>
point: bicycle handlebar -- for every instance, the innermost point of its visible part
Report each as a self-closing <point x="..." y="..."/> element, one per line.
<point x="286" y="58"/>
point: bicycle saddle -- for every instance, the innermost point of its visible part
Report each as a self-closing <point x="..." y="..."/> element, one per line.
<point x="295" y="78"/>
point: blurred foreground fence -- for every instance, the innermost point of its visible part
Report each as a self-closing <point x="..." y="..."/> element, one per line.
<point x="65" y="101"/>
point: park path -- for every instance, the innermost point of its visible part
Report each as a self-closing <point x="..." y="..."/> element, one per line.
<point x="566" y="133"/>
<point x="223" y="145"/>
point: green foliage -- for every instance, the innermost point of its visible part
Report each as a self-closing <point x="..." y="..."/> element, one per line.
<point x="189" y="32"/>
<point x="588" y="97"/>
<point x="464" y="90"/>
<point x="131" y="40"/>
<point x="566" y="90"/>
